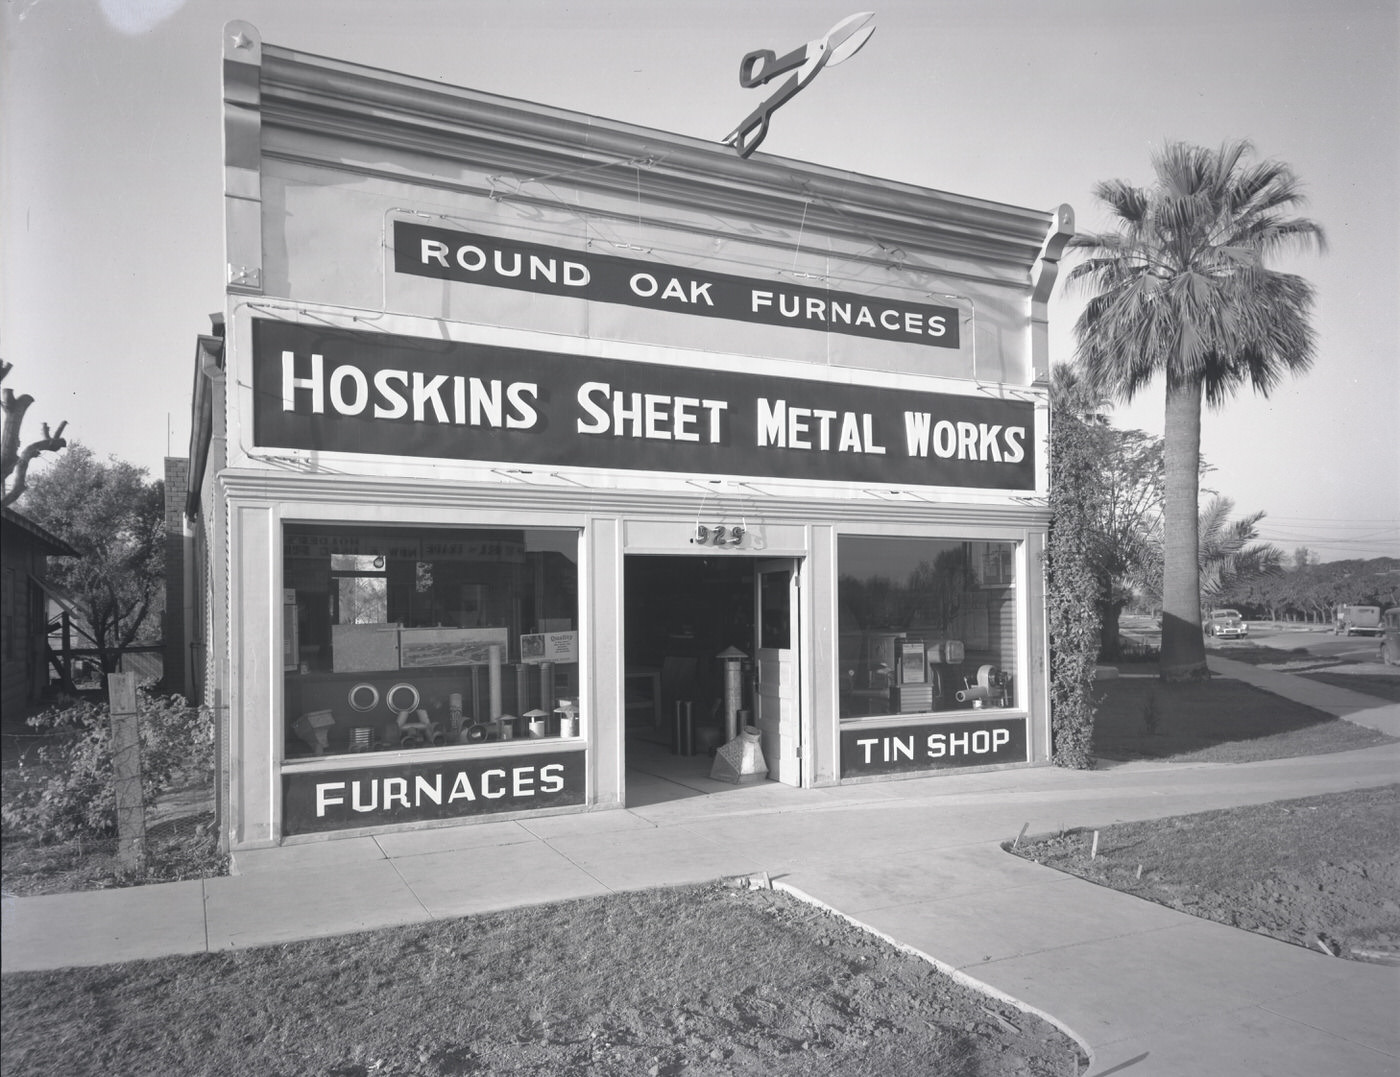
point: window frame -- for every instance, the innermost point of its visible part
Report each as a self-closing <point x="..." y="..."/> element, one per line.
<point x="1015" y="653"/>
<point x="565" y="537"/>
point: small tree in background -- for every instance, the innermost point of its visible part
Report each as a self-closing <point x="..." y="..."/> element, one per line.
<point x="1230" y="556"/>
<point x="14" y="461"/>
<point x="1127" y="524"/>
<point x="115" y="519"/>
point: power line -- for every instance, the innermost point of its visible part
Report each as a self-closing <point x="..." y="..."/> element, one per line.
<point x="1333" y="521"/>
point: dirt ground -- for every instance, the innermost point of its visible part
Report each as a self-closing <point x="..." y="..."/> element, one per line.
<point x="1319" y="872"/>
<point x="702" y="981"/>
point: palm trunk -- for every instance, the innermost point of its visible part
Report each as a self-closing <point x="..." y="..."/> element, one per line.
<point x="1183" y="645"/>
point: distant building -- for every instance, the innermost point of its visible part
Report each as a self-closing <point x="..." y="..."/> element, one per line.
<point x="25" y="548"/>
<point x="181" y="647"/>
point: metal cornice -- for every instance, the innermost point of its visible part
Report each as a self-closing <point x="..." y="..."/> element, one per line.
<point x="871" y="256"/>
<point x="406" y="493"/>
<point x="374" y="108"/>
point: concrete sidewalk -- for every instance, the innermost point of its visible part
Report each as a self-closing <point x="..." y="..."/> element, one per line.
<point x="1147" y="990"/>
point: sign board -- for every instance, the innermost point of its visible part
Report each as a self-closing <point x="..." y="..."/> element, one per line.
<point x="341" y="390"/>
<point x="474" y="258"/>
<point x="928" y="746"/>
<point x="322" y="544"/>
<point x="322" y="800"/>
<point x="452" y="646"/>
<point x="538" y="647"/>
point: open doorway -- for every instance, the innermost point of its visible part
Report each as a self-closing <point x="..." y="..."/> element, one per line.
<point x="681" y="614"/>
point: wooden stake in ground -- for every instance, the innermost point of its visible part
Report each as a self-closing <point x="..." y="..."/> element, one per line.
<point x="126" y="771"/>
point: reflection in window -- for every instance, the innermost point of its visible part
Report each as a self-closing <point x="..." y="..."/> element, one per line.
<point x="361" y="589"/>
<point x="925" y="625"/>
<point x="410" y="637"/>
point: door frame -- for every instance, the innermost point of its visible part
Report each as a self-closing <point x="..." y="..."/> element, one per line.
<point x="809" y="547"/>
<point x="797" y="636"/>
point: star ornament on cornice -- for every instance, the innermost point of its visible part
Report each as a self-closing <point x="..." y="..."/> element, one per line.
<point x="242" y="41"/>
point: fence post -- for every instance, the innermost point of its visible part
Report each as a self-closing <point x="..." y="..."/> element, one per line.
<point x="126" y="770"/>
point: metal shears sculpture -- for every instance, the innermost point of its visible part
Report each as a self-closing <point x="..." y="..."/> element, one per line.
<point x="839" y="44"/>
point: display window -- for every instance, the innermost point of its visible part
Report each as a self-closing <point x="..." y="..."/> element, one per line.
<point x="926" y="625"/>
<point x="397" y="638"/>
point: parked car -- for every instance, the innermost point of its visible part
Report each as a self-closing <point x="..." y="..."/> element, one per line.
<point x="1353" y="619"/>
<point x="1390" y="638"/>
<point x="1226" y="624"/>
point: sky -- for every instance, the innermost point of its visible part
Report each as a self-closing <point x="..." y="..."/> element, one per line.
<point x="111" y="174"/>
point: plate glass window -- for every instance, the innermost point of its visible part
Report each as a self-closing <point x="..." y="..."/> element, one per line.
<point x="926" y="625"/>
<point x="398" y="637"/>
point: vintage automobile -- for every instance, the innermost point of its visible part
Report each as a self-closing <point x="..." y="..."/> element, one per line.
<point x="1390" y="640"/>
<point x="1226" y="624"/>
<point x="1353" y="619"/>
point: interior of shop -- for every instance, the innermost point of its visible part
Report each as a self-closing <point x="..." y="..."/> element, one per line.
<point x="681" y="614"/>
<point x="398" y="637"/>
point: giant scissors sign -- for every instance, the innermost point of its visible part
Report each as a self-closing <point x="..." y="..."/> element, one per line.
<point x="839" y="44"/>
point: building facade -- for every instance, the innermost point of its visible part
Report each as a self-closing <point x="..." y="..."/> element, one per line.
<point x="535" y="444"/>
<point x="25" y="549"/>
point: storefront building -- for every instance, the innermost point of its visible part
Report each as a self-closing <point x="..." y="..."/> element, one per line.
<point x="526" y="432"/>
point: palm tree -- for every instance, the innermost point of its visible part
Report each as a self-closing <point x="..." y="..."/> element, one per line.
<point x="1180" y="289"/>
<point x="1230" y="554"/>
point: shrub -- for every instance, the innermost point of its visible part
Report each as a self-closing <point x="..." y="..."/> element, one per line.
<point x="1072" y="614"/>
<point x="66" y="788"/>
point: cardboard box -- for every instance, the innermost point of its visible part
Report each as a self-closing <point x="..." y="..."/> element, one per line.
<point x="912" y="698"/>
<point x="420" y="647"/>
<point x="364" y="648"/>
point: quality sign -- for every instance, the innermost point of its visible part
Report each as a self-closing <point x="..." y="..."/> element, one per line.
<point x="315" y="801"/>
<point x="932" y="746"/>
<point x="340" y="390"/>
<point x="448" y="254"/>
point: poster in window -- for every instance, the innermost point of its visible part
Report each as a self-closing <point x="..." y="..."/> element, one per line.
<point x="538" y="647"/>
<point x="911" y="662"/>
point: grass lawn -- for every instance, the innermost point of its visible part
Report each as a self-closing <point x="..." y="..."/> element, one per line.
<point x="1322" y="872"/>
<point x="1371" y="678"/>
<point x="1371" y="684"/>
<point x="1378" y="685"/>
<point x="701" y="980"/>
<point x="1258" y="654"/>
<point x="1214" y="721"/>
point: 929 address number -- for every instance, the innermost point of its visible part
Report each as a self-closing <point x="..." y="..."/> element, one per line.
<point x="718" y="535"/>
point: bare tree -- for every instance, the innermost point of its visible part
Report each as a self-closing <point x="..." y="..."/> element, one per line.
<point x="15" y="460"/>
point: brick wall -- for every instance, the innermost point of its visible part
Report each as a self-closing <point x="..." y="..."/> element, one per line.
<point x="177" y="671"/>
